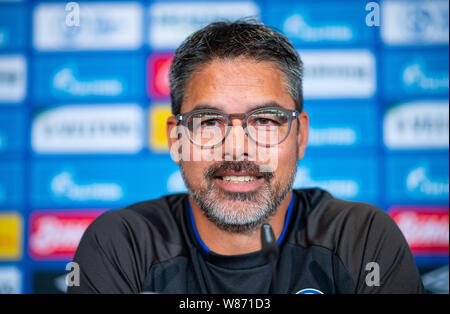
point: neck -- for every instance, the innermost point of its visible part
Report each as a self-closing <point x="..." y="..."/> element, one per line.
<point x="227" y="243"/>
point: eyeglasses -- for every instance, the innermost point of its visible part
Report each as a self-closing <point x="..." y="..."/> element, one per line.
<point x="266" y="126"/>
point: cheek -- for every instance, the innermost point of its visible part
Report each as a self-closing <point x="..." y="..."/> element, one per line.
<point x="193" y="168"/>
<point x="286" y="156"/>
<point x="194" y="172"/>
<point x="274" y="157"/>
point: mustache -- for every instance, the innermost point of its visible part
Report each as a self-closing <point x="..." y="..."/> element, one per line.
<point x="237" y="166"/>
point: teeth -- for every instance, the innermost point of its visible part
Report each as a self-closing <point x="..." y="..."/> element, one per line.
<point x="237" y="179"/>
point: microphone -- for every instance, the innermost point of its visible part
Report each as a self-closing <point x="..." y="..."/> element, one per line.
<point x="270" y="251"/>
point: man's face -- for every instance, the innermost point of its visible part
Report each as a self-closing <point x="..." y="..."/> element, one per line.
<point x="235" y="191"/>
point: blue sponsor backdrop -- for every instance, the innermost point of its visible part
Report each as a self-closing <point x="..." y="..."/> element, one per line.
<point x="321" y="23"/>
<point x="13" y="27"/>
<point x="354" y="127"/>
<point x="69" y="183"/>
<point x="420" y="73"/>
<point x="419" y="180"/>
<point x="104" y="61"/>
<point x="348" y="177"/>
<point x="12" y="184"/>
<point x="13" y="130"/>
<point x="95" y="77"/>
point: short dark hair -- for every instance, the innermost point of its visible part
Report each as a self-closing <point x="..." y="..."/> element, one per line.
<point x="229" y="40"/>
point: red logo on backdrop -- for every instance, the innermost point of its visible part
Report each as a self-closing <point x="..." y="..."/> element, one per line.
<point x="158" y="66"/>
<point x="56" y="234"/>
<point x="425" y="228"/>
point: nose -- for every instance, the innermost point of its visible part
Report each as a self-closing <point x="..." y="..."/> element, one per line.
<point x="236" y="143"/>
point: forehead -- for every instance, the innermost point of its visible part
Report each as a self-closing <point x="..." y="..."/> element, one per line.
<point x="237" y="85"/>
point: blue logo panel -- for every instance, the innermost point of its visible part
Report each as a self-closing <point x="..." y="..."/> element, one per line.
<point x="416" y="73"/>
<point x="419" y="180"/>
<point x="342" y="125"/>
<point x="77" y="78"/>
<point x="170" y="22"/>
<point x="12" y="131"/>
<point x="321" y="23"/>
<point x="418" y="23"/>
<point x="348" y="178"/>
<point x="12" y="27"/>
<point x="11" y="184"/>
<point x="102" y="182"/>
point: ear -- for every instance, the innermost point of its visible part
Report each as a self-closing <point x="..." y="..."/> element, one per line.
<point x="173" y="139"/>
<point x="303" y="133"/>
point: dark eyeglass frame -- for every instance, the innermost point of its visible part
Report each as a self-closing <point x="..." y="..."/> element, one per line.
<point x="183" y="118"/>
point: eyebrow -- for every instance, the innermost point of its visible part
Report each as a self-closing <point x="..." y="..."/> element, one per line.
<point x="260" y="106"/>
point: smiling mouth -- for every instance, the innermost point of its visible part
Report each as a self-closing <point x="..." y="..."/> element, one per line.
<point x="239" y="182"/>
<point x="239" y="179"/>
<point x="242" y="177"/>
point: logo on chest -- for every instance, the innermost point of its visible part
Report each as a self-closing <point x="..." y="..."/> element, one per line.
<point x="309" y="291"/>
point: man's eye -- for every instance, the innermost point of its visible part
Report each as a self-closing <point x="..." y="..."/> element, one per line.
<point x="265" y="121"/>
<point x="210" y="123"/>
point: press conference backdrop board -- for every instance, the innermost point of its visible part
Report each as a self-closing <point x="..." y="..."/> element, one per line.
<point x="84" y="97"/>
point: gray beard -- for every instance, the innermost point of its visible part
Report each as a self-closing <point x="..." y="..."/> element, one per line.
<point x="226" y="211"/>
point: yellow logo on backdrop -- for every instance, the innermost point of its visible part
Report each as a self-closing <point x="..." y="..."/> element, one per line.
<point x="10" y="236"/>
<point x="158" y="115"/>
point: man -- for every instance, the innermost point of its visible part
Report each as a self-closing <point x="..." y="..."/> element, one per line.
<point x="237" y="134"/>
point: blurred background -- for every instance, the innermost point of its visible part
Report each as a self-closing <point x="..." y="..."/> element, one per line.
<point x="84" y="97"/>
